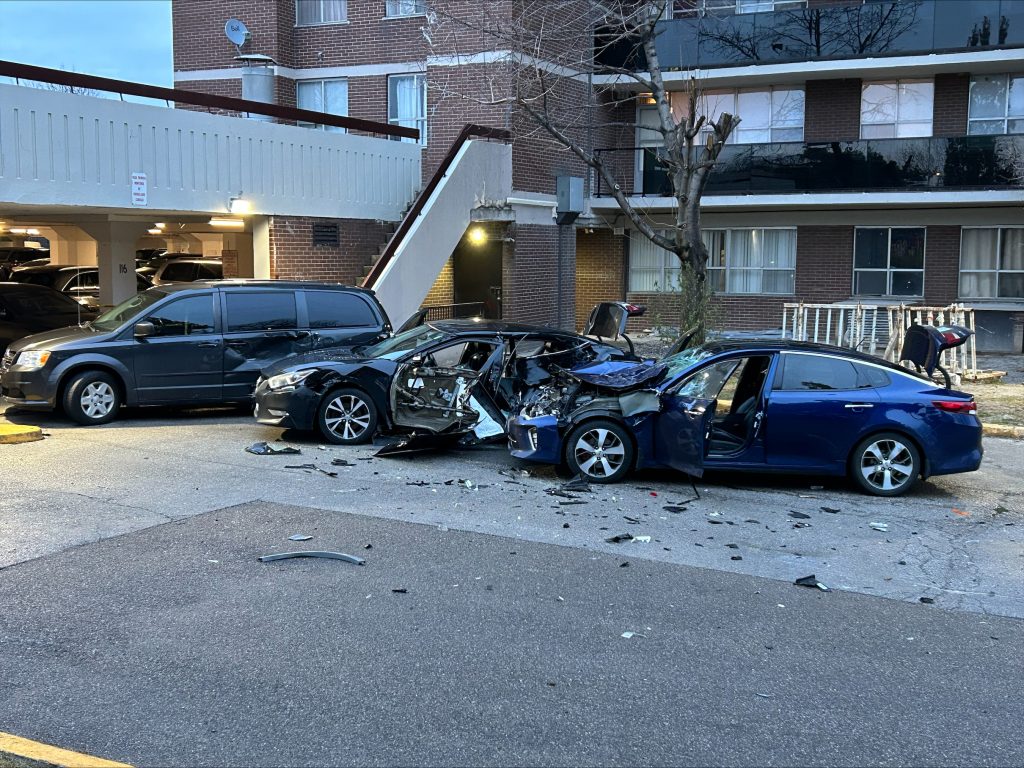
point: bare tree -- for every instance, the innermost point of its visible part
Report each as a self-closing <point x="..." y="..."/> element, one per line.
<point x="61" y="88"/>
<point x="569" y="71"/>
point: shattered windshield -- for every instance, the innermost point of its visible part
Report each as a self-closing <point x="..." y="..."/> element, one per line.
<point x="396" y="346"/>
<point x="681" y="361"/>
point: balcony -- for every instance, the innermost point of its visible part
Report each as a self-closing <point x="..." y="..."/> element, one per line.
<point x="905" y="165"/>
<point x="720" y="39"/>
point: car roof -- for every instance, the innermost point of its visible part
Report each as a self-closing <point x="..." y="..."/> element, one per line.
<point x="244" y="282"/>
<point x="466" y="327"/>
<point x="12" y="286"/>
<point x="40" y="268"/>
<point x="786" y="345"/>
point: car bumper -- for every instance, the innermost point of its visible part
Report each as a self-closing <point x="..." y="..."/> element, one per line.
<point x="288" y="409"/>
<point x="28" y="389"/>
<point x="535" y="439"/>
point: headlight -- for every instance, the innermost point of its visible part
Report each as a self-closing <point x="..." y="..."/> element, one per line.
<point x="35" y="359"/>
<point x="285" y="380"/>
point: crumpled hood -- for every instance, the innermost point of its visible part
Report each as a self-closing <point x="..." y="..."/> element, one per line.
<point x="619" y="376"/>
<point x="318" y="357"/>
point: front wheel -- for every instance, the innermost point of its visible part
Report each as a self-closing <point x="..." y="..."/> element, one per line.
<point x="886" y="464"/>
<point x="600" y="450"/>
<point x="347" y="417"/>
<point x="92" y="398"/>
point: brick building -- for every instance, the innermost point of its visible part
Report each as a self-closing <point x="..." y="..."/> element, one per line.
<point x="879" y="157"/>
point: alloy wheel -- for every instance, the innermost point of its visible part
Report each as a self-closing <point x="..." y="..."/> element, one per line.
<point x="599" y="452"/>
<point x="347" y="416"/>
<point x="97" y="399"/>
<point x="887" y="465"/>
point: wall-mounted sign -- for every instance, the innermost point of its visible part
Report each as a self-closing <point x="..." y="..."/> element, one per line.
<point x="140" y="193"/>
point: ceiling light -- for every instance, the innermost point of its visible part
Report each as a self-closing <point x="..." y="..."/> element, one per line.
<point x="160" y="225"/>
<point x="221" y="221"/>
<point x="155" y="231"/>
<point x="18" y="231"/>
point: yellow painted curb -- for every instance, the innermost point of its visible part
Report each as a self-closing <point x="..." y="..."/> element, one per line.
<point x="16" y="752"/>
<point x="19" y="433"/>
<point x="1001" y="430"/>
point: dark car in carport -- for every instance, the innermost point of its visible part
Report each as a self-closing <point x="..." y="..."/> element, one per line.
<point x="196" y="343"/>
<point x="29" y="309"/>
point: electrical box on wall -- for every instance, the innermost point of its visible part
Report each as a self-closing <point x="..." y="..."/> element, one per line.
<point x="569" y="199"/>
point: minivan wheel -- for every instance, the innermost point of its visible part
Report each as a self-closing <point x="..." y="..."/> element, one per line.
<point x="599" y="450"/>
<point x="92" y="397"/>
<point x="347" y="417"/>
<point x="886" y="464"/>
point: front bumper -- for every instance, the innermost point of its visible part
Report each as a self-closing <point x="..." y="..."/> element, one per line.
<point x="535" y="439"/>
<point x="27" y="388"/>
<point x="288" y="408"/>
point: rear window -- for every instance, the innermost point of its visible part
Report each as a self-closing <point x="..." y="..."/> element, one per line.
<point x="180" y="271"/>
<point x="209" y="272"/>
<point x="338" y="309"/>
<point x="869" y="377"/>
<point x="261" y="311"/>
<point x="36" y="278"/>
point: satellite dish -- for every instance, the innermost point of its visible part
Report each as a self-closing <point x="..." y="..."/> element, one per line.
<point x="236" y="31"/>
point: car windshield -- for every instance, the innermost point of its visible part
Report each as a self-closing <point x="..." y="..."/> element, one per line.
<point x="27" y="303"/>
<point x="396" y="346"/>
<point x="681" y="361"/>
<point x="127" y="309"/>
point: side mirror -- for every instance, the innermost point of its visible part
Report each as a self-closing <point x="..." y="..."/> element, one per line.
<point x="144" y="329"/>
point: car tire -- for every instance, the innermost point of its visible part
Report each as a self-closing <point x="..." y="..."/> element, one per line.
<point x="885" y="464"/>
<point x="347" y="417"/>
<point x="92" y="398"/>
<point x="600" y="451"/>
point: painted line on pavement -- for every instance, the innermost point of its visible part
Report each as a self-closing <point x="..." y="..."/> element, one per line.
<point x="16" y="752"/>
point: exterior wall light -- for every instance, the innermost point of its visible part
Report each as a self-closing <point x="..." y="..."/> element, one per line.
<point x="477" y="235"/>
<point x="240" y="206"/>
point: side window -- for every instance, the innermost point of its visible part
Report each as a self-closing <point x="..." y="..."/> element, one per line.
<point x="88" y="279"/>
<point x="179" y="271"/>
<point x="814" y="372"/>
<point x="708" y="381"/>
<point x="209" y="272"/>
<point x="870" y="377"/>
<point x="266" y="311"/>
<point x="338" y="309"/>
<point x="469" y="355"/>
<point x="184" y="317"/>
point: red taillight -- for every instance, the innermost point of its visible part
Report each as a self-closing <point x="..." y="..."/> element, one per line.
<point x="957" y="406"/>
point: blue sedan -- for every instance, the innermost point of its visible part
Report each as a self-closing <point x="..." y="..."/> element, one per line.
<point x="755" y="406"/>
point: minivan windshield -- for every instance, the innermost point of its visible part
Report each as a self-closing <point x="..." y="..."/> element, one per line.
<point x="396" y="346"/>
<point x="126" y="310"/>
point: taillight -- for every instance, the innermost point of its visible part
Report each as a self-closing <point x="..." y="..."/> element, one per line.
<point x="957" y="406"/>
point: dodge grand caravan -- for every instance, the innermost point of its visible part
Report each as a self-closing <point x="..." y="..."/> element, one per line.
<point x="195" y="343"/>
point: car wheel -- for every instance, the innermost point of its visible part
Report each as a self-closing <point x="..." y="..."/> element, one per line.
<point x="92" y="397"/>
<point x="347" y="417"/>
<point x="600" y="450"/>
<point x="886" y="464"/>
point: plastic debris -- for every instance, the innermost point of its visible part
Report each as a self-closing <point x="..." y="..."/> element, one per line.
<point x="812" y="582"/>
<point x="799" y="515"/>
<point x="300" y="466"/>
<point x="629" y="635"/>
<point x="961" y="512"/>
<point x="801" y="525"/>
<point x="642" y="539"/>
<point x="578" y="483"/>
<point x="342" y="463"/>
<point x="328" y="555"/>
<point x="764" y="695"/>
<point x="736" y="557"/>
<point x="265" y="449"/>
<point x="299" y="537"/>
<point x="419" y="483"/>
<point x="561" y="493"/>
<point x="674" y="508"/>
<point x="830" y="510"/>
<point x="879" y="526"/>
<point x="926" y="600"/>
<point x="400" y="590"/>
<point x="619" y="538"/>
<point x="571" y="502"/>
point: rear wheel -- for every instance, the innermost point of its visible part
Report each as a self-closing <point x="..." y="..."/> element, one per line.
<point x="885" y="464"/>
<point x="600" y="450"/>
<point x="92" y="397"/>
<point x="347" y="417"/>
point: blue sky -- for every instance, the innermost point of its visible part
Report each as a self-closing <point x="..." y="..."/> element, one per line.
<point x="123" y="39"/>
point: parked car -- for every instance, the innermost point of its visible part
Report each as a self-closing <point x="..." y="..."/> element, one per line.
<point x="12" y="258"/>
<point x="755" y="406"/>
<point x="79" y="283"/>
<point x="448" y="377"/>
<point x="190" y="344"/>
<point x="188" y="271"/>
<point x="28" y="309"/>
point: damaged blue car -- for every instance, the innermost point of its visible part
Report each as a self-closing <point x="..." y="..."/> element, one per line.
<point x="753" y="406"/>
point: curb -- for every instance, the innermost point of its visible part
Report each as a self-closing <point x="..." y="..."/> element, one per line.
<point x="16" y="752"/>
<point x="18" y="433"/>
<point x="1002" y="430"/>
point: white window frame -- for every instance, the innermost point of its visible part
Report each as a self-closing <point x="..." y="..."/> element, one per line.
<point x="1006" y="117"/>
<point x="896" y="119"/>
<point x="390" y="7"/>
<point x="668" y="281"/>
<point x="733" y="94"/>
<point x="998" y="271"/>
<point x="321" y="23"/>
<point x="323" y="100"/>
<point x="420" y="121"/>
<point x="703" y="7"/>
<point x="888" y="270"/>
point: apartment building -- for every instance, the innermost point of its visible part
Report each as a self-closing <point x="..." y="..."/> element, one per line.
<point x="879" y="158"/>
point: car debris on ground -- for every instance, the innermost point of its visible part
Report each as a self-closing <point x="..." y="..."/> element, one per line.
<point x="313" y="553"/>
<point x="266" y="449"/>
<point x="812" y="582"/>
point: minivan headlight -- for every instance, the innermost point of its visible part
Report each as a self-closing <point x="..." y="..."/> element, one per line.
<point x="33" y="359"/>
<point x="288" y="380"/>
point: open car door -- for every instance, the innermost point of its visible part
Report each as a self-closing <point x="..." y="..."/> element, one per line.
<point x="681" y="433"/>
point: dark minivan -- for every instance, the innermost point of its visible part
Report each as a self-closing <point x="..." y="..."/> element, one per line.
<point x="195" y="343"/>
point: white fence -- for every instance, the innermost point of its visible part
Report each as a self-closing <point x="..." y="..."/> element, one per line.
<point x="878" y="329"/>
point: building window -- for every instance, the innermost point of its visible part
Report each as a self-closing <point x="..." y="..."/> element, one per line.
<point x="684" y="8"/>
<point x="766" y="116"/>
<point x="742" y="261"/>
<point x="888" y="261"/>
<point x="310" y="12"/>
<point x="330" y="96"/>
<point x="997" y="104"/>
<point x="405" y="8"/>
<point x="992" y="263"/>
<point x="407" y="103"/>
<point x="896" y="109"/>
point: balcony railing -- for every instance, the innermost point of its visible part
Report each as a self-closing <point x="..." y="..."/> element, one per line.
<point x="722" y="39"/>
<point x="962" y="163"/>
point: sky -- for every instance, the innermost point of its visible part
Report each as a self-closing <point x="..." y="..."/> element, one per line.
<point x="123" y="39"/>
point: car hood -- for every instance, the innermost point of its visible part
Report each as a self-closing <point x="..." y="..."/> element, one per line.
<point x="336" y="356"/>
<point x="55" y="339"/>
<point x="620" y="375"/>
